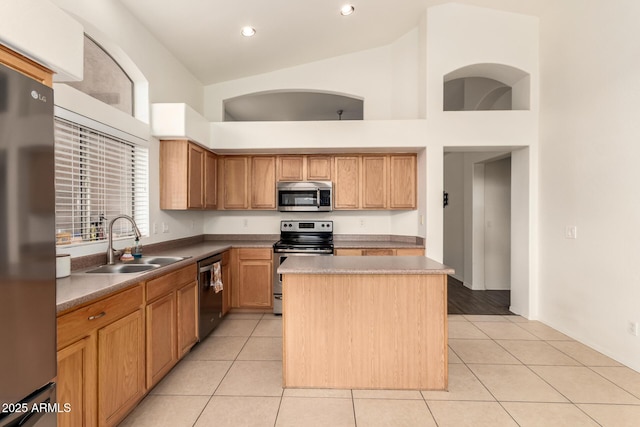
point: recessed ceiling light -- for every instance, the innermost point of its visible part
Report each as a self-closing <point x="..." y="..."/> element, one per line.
<point x="347" y="9"/>
<point x="248" y="31"/>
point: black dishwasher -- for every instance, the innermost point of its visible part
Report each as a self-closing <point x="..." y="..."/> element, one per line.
<point x="210" y="294"/>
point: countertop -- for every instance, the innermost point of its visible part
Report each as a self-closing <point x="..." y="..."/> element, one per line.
<point x="82" y="287"/>
<point x="363" y="265"/>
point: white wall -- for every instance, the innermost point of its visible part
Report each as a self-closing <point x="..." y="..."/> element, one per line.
<point x="385" y="77"/>
<point x="589" y="151"/>
<point x="497" y="226"/>
<point x="454" y="223"/>
<point x="41" y="31"/>
<point x="169" y="80"/>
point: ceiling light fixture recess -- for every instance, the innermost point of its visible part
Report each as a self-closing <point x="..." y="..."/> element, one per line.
<point x="248" y="31"/>
<point x="347" y="10"/>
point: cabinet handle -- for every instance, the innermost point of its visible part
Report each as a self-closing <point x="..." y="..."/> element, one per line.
<point x="97" y="316"/>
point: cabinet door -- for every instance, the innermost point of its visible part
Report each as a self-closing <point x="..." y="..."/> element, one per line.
<point x="235" y="191"/>
<point x="161" y="338"/>
<point x="187" y="297"/>
<point x="402" y="185"/>
<point x="210" y="180"/>
<point x="255" y="279"/>
<point x="374" y="182"/>
<point x="318" y="168"/>
<point x="348" y="252"/>
<point x="410" y="252"/>
<point x="121" y="366"/>
<point x="263" y="182"/>
<point x="76" y="384"/>
<point x="195" y="181"/>
<point x="226" y="280"/>
<point x="347" y="182"/>
<point x="174" y="159"/>
<point x="290" y="168"/>
<point x="379" y="252"/>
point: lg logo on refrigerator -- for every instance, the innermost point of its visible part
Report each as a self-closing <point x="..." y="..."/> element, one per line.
<point x="35" y="95"/>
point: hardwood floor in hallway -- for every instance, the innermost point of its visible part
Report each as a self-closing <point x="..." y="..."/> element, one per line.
<point x="462" y="300"/>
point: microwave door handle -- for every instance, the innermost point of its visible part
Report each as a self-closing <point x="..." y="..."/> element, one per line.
<point x="318" y="197"/>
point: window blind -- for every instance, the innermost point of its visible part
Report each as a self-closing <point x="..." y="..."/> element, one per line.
<point x="98" y="176"/>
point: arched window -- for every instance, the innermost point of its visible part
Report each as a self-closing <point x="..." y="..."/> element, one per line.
<point x="104" y="79"/>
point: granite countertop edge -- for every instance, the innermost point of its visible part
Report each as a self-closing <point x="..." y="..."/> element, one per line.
<point x="385" y="265"/>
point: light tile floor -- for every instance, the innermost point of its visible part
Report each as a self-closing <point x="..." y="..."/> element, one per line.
<point x="503" y="371"/>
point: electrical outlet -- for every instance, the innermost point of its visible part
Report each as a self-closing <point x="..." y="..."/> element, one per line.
<point x="165" y="227"/>
<point x="361" y="223"/>
<point x="633" y="328"/>
<point x="571" y="232"/>
<point x="245" y="223"/>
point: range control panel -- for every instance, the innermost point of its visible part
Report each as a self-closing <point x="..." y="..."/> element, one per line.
<point x="311" y="226"/>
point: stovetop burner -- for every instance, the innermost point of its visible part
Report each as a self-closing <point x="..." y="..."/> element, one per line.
<point x="305" y="237"/>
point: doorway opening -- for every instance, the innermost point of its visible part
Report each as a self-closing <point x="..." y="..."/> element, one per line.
<point x="477" y="231"/>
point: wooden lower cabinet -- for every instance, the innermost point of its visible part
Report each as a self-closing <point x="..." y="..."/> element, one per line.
<point x="112" y="351"/>
<point x="187" y="317"/>
<point x="172" y="321"/>
<point x="227" y="282"/>
<point x="161" y="342"/>
<point x="76" y="383"/>
<point x="380" y="252"/>
<point x="254" y="272"/>
<point x="101" y="360"/>
<point x="121" y="373"/>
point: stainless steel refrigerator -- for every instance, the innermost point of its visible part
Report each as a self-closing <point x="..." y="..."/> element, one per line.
<point x="27" y="253"/>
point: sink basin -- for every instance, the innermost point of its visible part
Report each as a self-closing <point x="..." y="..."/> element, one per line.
<point x="124" y="268"/>
<point x="162" y="260"/>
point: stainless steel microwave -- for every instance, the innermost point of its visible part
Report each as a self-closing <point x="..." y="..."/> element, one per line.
<point x="305" y="196"/>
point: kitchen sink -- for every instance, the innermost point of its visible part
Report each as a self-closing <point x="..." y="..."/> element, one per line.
<point x="124" y="268"/>
<point x="162" y="260"/>
<point x="137" y="265"/>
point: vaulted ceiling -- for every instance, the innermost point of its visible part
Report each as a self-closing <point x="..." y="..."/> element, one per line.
<point x="205" y="34"/>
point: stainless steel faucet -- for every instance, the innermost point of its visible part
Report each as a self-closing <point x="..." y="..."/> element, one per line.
<point x="112" y="253"/>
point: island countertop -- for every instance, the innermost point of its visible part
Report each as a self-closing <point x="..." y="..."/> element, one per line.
<point x="362" y="265"/>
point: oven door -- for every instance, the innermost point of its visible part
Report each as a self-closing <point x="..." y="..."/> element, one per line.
<point x="278" y="259"/>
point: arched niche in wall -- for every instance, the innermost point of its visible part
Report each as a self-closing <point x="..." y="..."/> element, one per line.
<point x="486" y="87"/>
<point x="293" y="105"/>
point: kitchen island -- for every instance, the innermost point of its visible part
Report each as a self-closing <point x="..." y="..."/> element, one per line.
<point x="365" y="323"/>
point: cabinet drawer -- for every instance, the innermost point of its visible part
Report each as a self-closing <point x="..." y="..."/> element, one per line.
<point x="81" y="322"/>
<point x="167" y="283"/>
<point x="379" y="252"/>
<point x="254" y="253"/>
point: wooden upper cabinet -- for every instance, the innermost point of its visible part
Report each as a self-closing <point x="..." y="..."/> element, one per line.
<point x="346" y="189"/>
<point x="195" y="177"/>
<point x="318" y="168"/>
<point x="290" y="168"/>
<point x="375" y="182"/>
<point x="26" y="66"/>
<point x="235" y="182"/>
<point x="403" y="181"/>
<point x="263" y="182"/>
<point x="210" y="180"/>
<point x="304" y="168"/>
<point x="187" y="176"/>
